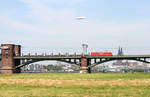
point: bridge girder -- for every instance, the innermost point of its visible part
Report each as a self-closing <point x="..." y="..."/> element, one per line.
<point x="37" y="60"/>
<point x="103" y="60"/>
<point x="68" y="59"/>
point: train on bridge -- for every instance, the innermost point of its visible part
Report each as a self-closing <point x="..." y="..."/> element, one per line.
<point x="101" y="54"/>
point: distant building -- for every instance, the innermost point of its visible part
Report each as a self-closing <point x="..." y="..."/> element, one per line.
<point x="123" y="63"/>
<point x="120" y="53"/>
<point x="44" y="70"/>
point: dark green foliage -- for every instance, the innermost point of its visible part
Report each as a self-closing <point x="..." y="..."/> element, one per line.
<point x="53" y="67"/>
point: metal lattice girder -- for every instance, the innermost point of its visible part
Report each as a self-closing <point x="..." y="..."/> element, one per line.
<point x="140" y="58"/>
<point x="33" y="61"/>
<point x="125" y="58"/>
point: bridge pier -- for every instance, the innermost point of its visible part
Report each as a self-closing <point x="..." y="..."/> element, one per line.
<point x="84" y="65"/>
<point x="17" y="52"/>
<point x="8" y="62"/>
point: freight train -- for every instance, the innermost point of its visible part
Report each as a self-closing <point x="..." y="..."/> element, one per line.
<point x="101" y="54"/>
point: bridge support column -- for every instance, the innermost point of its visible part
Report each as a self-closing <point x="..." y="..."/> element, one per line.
<point x="17" y="52"/>
<point x="84" y="65"/>
<point x="8" y="63"/>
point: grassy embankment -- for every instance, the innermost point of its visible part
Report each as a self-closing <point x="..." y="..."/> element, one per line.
<point x="75" y="85"/>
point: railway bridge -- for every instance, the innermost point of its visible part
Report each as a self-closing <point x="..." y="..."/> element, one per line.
<point x="12" y="60"/>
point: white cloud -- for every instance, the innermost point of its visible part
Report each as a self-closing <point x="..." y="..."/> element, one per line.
<point x="60" y="24"/>
<point x="10" y="23"/>
<point x="67" y="2"/>
<point x="62" y="20"/>
<point x="75" y="28"/>
<point x="45" y="13"/>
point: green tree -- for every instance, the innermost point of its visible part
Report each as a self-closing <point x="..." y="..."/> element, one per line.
<point x="53" y="67"/>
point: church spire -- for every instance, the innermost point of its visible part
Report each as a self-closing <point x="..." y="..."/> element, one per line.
<point x="120" y="51"/>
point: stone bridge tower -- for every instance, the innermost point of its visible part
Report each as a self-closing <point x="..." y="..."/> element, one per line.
<point x="8" y="62"/>
<point x="84" y="65"/>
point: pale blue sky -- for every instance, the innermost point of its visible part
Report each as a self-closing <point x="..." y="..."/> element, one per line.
<point x="51" y="24"/>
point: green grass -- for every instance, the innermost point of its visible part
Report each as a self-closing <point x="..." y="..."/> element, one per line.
<point x="73" y="91"/>
<point x="23" y="89"/>
<point x="72" y="76"/>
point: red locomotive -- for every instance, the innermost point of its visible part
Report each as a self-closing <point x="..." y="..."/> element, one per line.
<point x="101" y="54"/>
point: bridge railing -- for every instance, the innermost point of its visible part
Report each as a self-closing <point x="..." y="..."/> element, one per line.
<point x="51" y="55"/>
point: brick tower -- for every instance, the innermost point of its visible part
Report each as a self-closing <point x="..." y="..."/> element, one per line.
<point x="8" y="63"/>
<point x="17" y="52"/>
<point x="84" y="65"/>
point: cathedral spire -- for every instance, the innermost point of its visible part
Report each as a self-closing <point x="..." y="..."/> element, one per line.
<point x="120" y="51"/>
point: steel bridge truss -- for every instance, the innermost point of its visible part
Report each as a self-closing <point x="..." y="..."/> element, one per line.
<point x="92" y="60"/>
<point x="25" y="62"/>
<point x="98" y="61"/>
